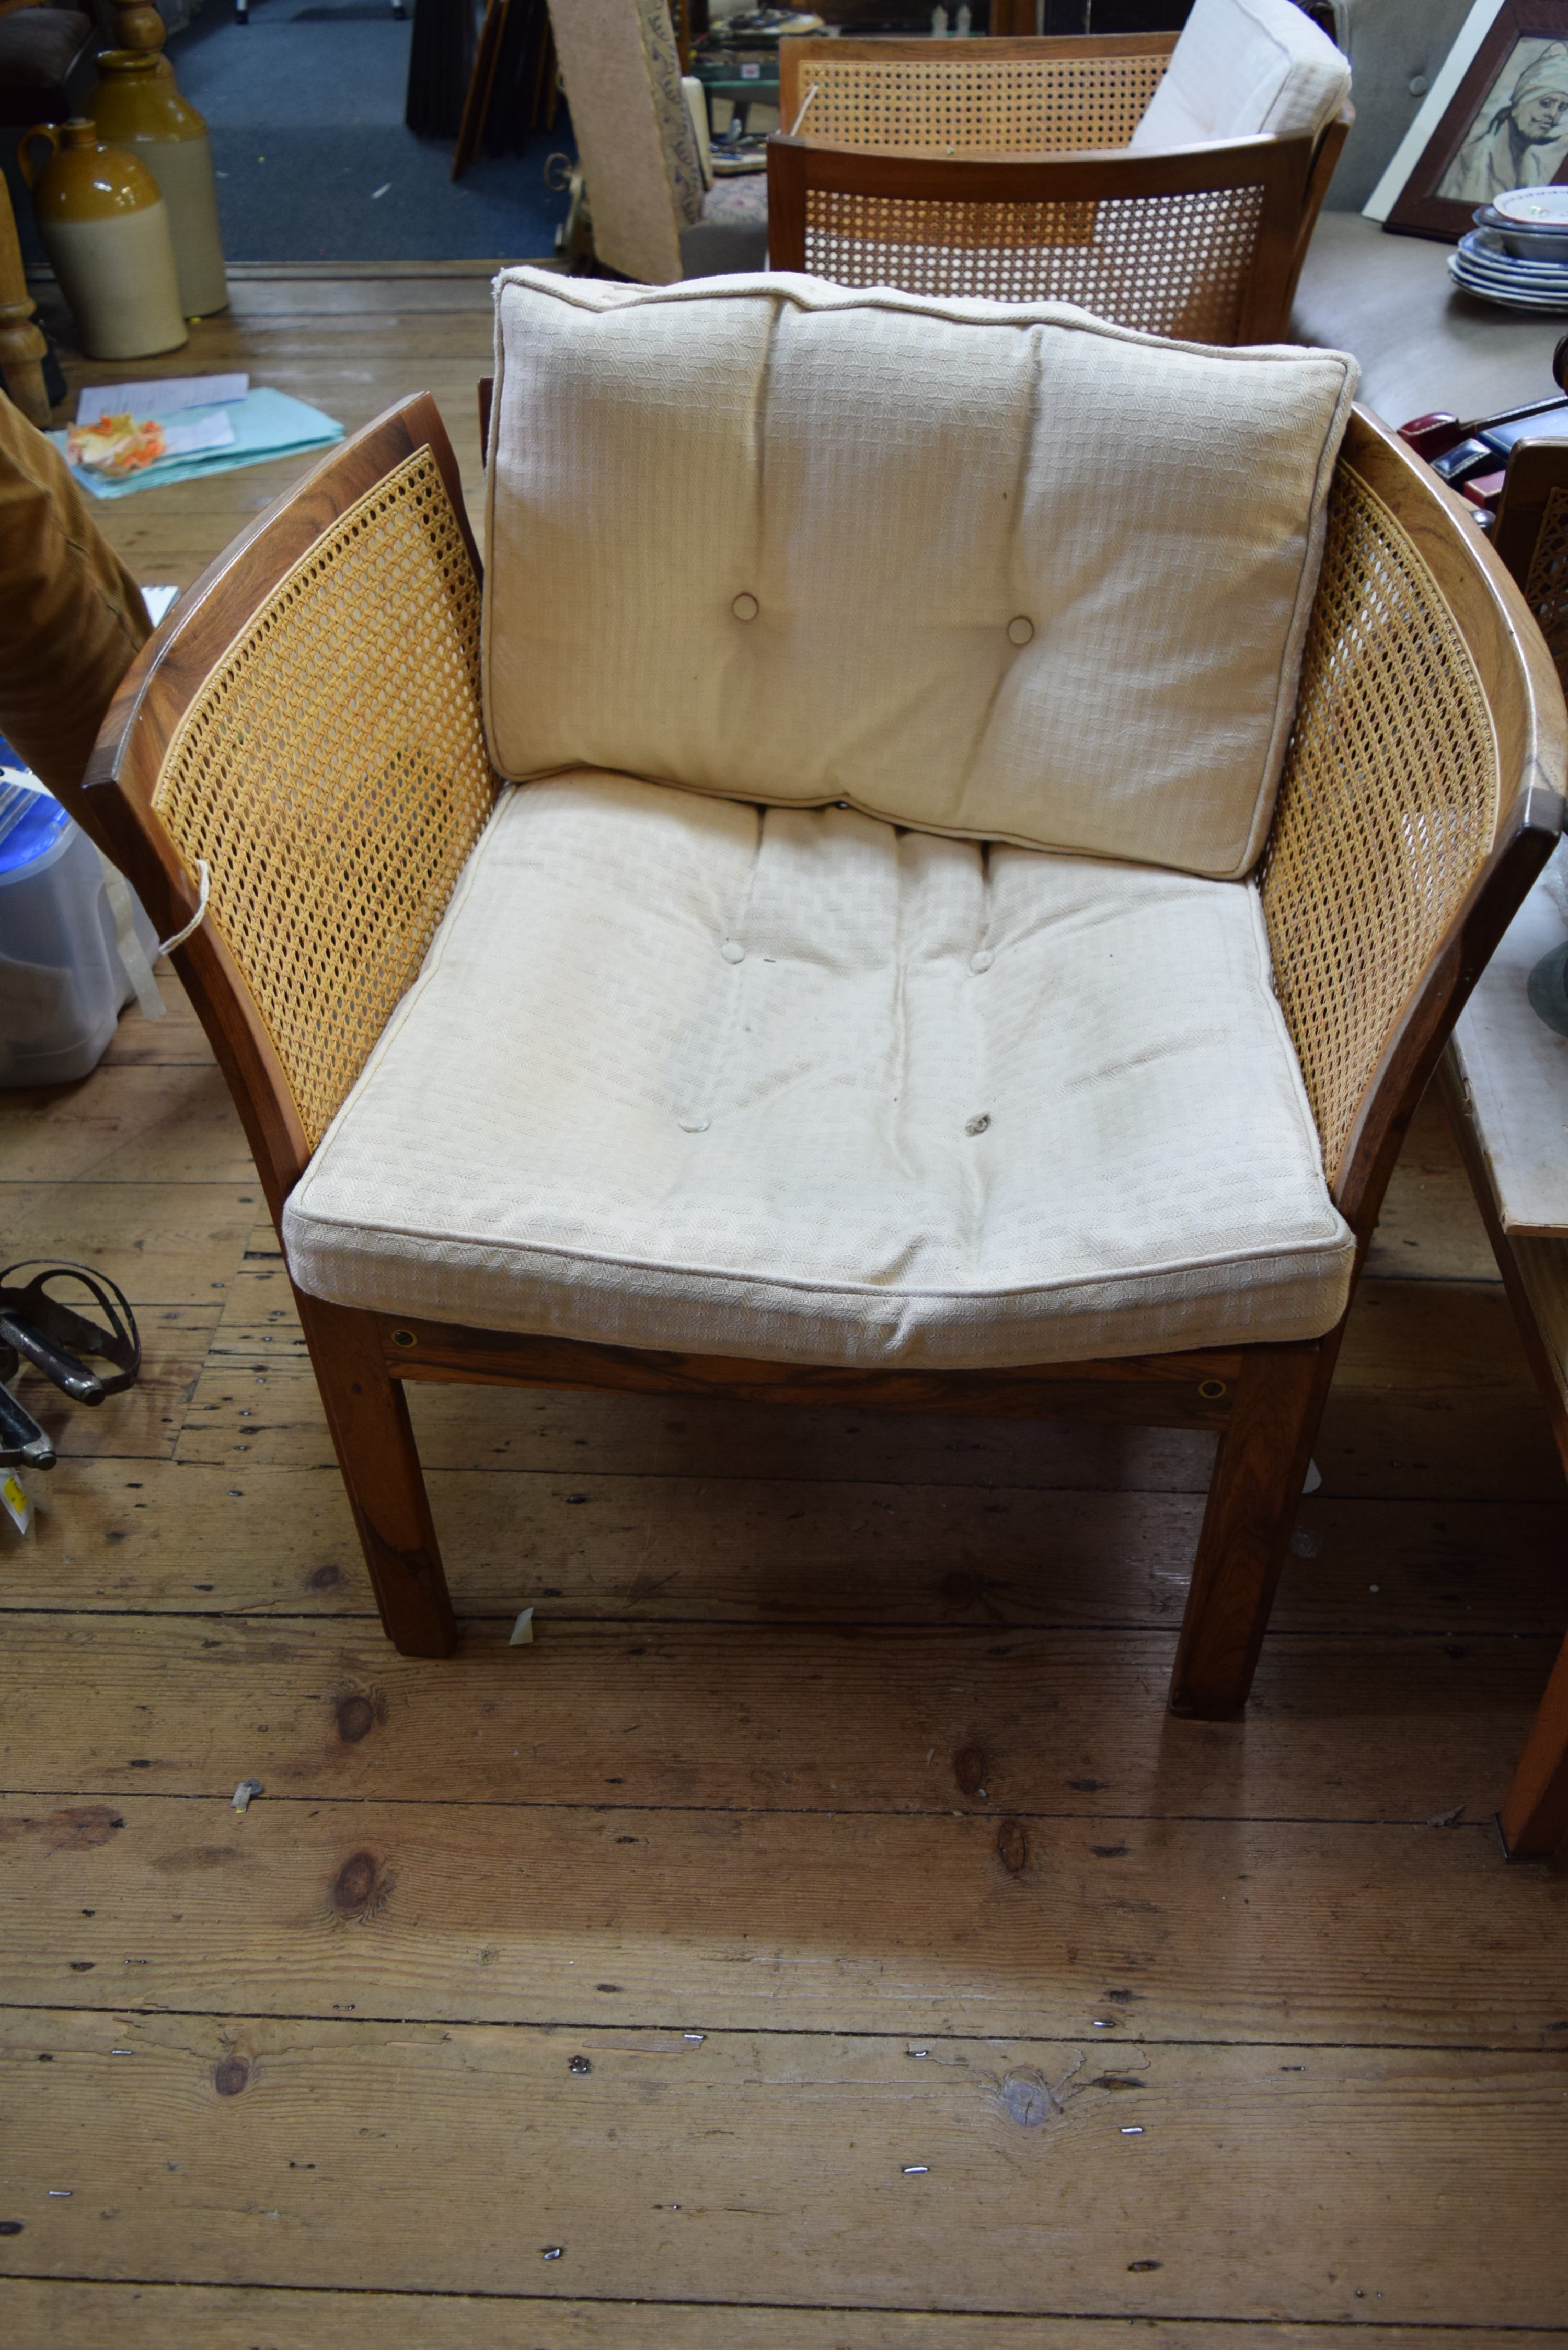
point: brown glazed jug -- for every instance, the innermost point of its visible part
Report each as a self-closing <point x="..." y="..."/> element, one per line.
<point x="136" y="105"/>
<point x="105" y="228"/>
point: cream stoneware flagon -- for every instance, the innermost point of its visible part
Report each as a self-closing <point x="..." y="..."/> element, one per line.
<point x="136" y="105"/>
<point x="105" y="228"/>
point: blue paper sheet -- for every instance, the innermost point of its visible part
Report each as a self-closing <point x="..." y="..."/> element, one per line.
<point x="266" y="424"/>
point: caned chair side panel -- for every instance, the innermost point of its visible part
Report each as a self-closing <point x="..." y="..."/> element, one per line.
<point x="1019" y="98"/>
<point x="1420" y="721"/>
<point x="1196" y="245"/>
<point x="308" y="724"/>
<point x="332" y="773"/>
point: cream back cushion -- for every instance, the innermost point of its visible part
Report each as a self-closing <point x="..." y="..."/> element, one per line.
<point x="1245" y="69"/>
<point x="999" y="571"/>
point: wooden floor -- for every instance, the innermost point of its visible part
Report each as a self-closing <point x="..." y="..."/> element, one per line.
<point x="821" y="1938"/>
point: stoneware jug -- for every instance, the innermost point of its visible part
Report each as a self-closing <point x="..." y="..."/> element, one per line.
<point x="136" y="105"/>
<point x="105" y="228"/>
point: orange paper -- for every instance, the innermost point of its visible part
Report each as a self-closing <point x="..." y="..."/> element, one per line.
<point x="115" y="445"/>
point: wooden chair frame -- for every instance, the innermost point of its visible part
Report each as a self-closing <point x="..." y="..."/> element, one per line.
<point x="1091" y="166"/>
<point x="1262" y="1401"/>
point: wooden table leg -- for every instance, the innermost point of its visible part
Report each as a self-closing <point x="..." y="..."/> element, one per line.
<point x="21" y="346"/>
<point x="1534" y="1816"/>
<point x="480" y="87"/>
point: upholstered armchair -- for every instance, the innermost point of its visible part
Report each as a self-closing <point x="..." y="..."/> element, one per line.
<point x="933" y="877"/>
<point x="656" y="212"/>
<point x="1169" y="184"/>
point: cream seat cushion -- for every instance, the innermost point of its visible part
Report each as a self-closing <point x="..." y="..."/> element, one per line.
<point x="1000" y="571"/>
<point x="796" y="1085"/>
<point x="1245" y="69"/>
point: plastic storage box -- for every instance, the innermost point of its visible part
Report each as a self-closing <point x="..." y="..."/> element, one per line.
<point x="69" y="958"/>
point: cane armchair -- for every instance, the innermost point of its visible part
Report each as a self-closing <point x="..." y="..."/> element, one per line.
<point x="1169" y="184"/>
<point x="714" y="949"/>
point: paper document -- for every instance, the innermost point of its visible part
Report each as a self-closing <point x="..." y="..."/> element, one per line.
<point x="264" y="425"/>
<point x="203" y="432"/>
<point x="158" y="601"/>
<point x="160" y="396"/>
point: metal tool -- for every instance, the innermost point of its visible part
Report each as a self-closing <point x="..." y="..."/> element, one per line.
<point x="39" y="1328"/>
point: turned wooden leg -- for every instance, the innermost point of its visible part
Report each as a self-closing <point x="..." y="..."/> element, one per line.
<point x="22" y="347"/>
<point x="1258" y="1472"/>
<point x="368" y="1417"/>
<point x="1533" y="1820"/>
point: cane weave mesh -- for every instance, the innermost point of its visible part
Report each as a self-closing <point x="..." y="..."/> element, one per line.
<point x="1174" y="266"/>
<point x="332" y="771"/>
<point x="1387" y="809"/>
<point x="1011" y="106"/>
<point x="1547" y="583"/>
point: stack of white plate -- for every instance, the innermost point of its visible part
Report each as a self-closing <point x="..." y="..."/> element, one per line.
<point x="1517" y="253"/>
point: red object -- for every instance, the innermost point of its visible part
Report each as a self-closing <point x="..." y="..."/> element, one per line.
<point x="1485" y="489"/>
<point x="1433" y="436"/>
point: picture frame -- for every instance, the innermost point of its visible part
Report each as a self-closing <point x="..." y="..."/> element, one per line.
<point x="1497" y="118"/>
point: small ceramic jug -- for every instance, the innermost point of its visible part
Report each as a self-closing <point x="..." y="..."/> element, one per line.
<point x="138" y="106"/>
<point x="105" y="228"/>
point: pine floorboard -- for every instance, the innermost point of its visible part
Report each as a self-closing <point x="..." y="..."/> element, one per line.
<point x="821" y="1934"/>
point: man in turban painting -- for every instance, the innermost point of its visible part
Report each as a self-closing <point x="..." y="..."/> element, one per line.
<point x="1520" y="142"/>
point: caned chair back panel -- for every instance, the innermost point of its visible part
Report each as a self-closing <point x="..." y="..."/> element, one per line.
<point x="995" y="96"/>
<point x="1196" y="246"/>
<point x="310" y="730"/>
<point x="1418" y="700"/>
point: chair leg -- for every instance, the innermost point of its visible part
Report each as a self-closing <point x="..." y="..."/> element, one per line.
<point x="368" y="1417"/>
<point x="1258" y="1472"/>
<point x="1533" y="1820"/>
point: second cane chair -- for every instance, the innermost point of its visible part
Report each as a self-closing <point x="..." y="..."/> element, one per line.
<point x="1171" y="184"/>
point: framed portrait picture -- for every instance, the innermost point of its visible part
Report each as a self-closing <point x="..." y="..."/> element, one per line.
<point x="1498" y="120"/>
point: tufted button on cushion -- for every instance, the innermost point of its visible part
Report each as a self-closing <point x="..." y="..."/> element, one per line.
<point x="1019" y="631"/>
<point x="744" y="607"/>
